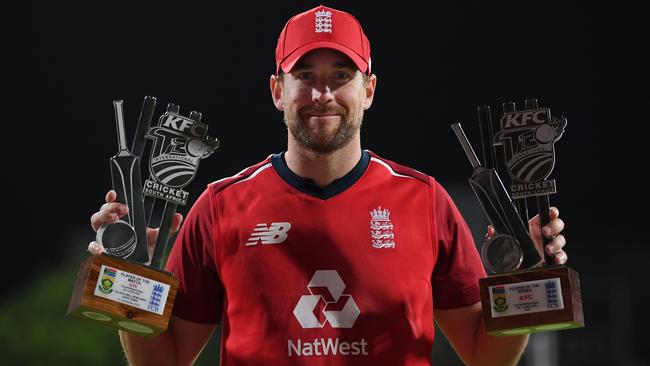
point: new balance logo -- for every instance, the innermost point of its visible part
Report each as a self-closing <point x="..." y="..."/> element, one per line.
<point x="274" y="234"/>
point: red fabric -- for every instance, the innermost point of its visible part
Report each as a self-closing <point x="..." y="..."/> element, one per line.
<point x="200" y="292"/>
<point x="458" y="267"/>
<point x="433" y="264"/>
<point x="322" y="27"/>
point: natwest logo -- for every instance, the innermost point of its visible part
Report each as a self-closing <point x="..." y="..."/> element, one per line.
<point x="327" y="303"/>
<point x="326" y="347"/>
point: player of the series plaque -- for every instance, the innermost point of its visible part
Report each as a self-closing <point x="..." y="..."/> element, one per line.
<point x="125" y="287"/>
<point x="526" y="291"/>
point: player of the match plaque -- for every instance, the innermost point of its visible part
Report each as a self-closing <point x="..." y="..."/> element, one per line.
<point x="124" y="287"/>
<point x="527" y="292"/>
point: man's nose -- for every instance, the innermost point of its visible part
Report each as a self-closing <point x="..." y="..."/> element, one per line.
<point x="321" y="93"/>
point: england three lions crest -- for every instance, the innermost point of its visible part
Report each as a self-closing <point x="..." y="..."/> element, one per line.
<point x="528" y="139"/>
<point x="179" y="145"/>
<point x="381" y="229"/>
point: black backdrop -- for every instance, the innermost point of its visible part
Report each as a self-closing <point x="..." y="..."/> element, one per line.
<point x="435" y="61"/>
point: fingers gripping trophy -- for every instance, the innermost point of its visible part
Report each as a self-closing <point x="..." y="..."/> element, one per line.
<point x="526" y="292"/>
<point x="125" y="287"/>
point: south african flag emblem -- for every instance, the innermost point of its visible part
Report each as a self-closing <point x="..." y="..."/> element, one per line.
<point x="107" y="280"/>
<point x="499" y="299"/>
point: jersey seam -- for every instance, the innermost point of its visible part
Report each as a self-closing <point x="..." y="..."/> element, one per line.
<point x="428" y="184"/>
<point x="239" y="177"/>
<point x="433" y="229"/>
<point x="215" y="223"/>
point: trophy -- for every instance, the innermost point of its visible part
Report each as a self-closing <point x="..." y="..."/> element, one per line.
<point x="123" y="287"/>
<point x="526" y="292"/>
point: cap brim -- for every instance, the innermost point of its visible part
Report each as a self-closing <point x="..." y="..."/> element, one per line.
<point x="288" y="63"/>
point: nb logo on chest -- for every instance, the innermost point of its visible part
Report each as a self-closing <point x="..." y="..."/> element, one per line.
<point x="276" y="233"/>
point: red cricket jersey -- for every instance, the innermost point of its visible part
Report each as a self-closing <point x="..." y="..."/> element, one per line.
<point x="348" y="274"/>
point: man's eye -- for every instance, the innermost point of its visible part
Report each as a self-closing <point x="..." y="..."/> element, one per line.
<point x="341" y="75"/>
<point x="305" y="76"/>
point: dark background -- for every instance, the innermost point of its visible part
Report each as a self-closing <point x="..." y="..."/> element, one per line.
<point x="435" y="62"/>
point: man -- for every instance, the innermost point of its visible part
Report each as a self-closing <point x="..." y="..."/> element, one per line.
<point x="325" y="254"/>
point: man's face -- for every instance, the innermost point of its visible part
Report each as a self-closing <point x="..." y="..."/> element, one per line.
<point x="323" y="99"/>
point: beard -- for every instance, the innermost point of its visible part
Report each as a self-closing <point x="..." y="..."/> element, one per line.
<point x="316" y="139"/>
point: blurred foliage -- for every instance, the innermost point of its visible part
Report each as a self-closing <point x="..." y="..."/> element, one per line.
<point x="35" y="330"/>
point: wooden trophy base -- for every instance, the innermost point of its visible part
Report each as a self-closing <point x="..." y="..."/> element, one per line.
<point x="124" y="295"/>
<point x="531" y="301"/>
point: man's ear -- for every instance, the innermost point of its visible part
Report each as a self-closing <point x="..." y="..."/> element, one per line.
<point x="276" y="91"/>
<point x="369" y="89"/>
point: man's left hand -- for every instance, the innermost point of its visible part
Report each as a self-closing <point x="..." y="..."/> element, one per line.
<point x="552" y="231"/>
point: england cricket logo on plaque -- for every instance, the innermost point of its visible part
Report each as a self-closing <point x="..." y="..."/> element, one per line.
<point x="528" y="139"/>
<point x="179" y="145"/>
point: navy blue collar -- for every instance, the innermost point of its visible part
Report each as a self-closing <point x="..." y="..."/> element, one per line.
<point x="308" y="186"/>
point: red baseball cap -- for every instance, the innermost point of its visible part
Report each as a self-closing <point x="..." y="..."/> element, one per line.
<point x="322" y="27"/>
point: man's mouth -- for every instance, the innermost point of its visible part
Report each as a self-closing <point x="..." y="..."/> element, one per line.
<point x="323" y="112"/>
<point x="328" y="114"/>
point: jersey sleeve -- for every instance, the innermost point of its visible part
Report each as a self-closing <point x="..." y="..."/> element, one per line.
<point x="200" y="292"/>
<point x="458" y="265"/>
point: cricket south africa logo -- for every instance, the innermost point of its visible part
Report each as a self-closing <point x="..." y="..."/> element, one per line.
<point x="179" y="144"/>
<point x="528" y="139"/>
<point x="381" y="229"/>
<point x="326" y="303"/>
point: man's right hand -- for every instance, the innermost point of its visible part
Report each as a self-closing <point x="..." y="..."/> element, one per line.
<point x="112" y="211"/>
<point x="183" y="340"/>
